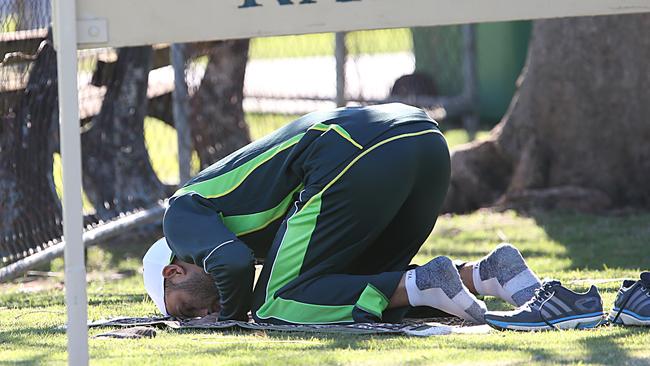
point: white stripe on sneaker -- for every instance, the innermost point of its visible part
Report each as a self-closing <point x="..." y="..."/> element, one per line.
<point x="545" y="313"/>
<point x="555" y="311"/>
<point x="639" y="299"/>
<point x="560" y="303"/>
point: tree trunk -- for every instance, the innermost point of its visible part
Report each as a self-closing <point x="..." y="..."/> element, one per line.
<point x="117" y="173"/>
<point x="31" y="211"/>
<point x="576" y="134"/>
<point x="216" y="112"/>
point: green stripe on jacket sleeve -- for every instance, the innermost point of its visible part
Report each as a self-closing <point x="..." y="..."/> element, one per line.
<point x="225" y="183"/>
<point x="246" y="224"/>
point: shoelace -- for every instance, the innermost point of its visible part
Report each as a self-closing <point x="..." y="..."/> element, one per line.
<point x="645" y="289"/>
<point x="542" y="295"/>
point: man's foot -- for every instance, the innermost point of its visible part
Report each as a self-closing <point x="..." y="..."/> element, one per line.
<point x="504" y="273"/>
<point x="552" y="307"/>
<point x="437" y="284"/>
<point x="632" y="304"/>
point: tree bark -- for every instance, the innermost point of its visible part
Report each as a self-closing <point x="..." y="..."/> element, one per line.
<point x="117" y="172"/>
<point x="216" y="111"/>
<point x="30" y="207"/>
<point x="576" y="133"/>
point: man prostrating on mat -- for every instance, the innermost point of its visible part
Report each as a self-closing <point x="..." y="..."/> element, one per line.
<point x="336" y="204"/>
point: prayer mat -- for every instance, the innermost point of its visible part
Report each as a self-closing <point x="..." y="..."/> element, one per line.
<point x="419" y="327"/>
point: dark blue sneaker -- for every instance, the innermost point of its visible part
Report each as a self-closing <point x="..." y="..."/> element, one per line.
<point x="632" y="305"/>
<point x="552" y="307"/>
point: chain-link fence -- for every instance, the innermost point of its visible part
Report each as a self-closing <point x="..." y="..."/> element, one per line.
<point x="237" y="91"/>
<point x="30" y="210"/>
<point x="291" y="75"/>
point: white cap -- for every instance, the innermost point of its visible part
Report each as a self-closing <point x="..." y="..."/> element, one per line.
<point x="157" y="257"/>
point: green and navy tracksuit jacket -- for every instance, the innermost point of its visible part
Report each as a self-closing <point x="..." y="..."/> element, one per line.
<point x="262" y="198"/>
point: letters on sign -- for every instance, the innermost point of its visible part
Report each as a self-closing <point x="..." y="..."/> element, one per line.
<point x="253" y="3"/>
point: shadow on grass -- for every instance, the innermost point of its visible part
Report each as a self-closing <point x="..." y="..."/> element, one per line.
<point x="48" y="299"/>
<point x="37" y="299"/>
<point x="463" y="253"/>
<point x="29" y="335"/>
<point x="40" y="359"/>
<point x="325" y="341"/>
<point x="32" y="338"/>
<point x="597" y="242"/>
<point x="121" y="249"/>
<point x="601" y="349"/>
<point x="605" y="349"/>
<point x="591" y="347"/>
<point x="115" y="299"/>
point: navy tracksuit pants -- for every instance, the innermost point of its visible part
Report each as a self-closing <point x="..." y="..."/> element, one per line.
<point x="350" y="235"/>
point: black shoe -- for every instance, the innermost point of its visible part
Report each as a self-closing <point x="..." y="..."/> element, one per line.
<point x="553" y="307"/>
<point x="632" y="305"/>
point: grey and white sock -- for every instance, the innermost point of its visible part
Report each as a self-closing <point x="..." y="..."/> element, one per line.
<point x="437" y="284"/>
<point x="504" y="273"/>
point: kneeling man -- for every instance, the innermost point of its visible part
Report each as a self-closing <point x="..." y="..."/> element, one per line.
<point x="336" y="204"/>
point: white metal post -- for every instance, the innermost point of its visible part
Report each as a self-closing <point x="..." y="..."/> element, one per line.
<point x="470" y="82"/>
<point x="65" y="42"/>
<point x="341" y="55"/>
<point x="180" y="108"/>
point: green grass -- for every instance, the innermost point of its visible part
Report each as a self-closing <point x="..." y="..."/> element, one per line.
<point x="458" y="136"/>
<point x="8" y="24"/>
<point x="560" y="245"/>
<point x="160" y="139"/>
<point x="322" y="44"/>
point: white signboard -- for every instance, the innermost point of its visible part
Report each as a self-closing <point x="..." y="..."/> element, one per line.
<point x="138" y="22"/>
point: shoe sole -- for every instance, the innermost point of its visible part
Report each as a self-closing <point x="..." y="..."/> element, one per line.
<point x="628" y="317"/>
<point x="586" y="321"/>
